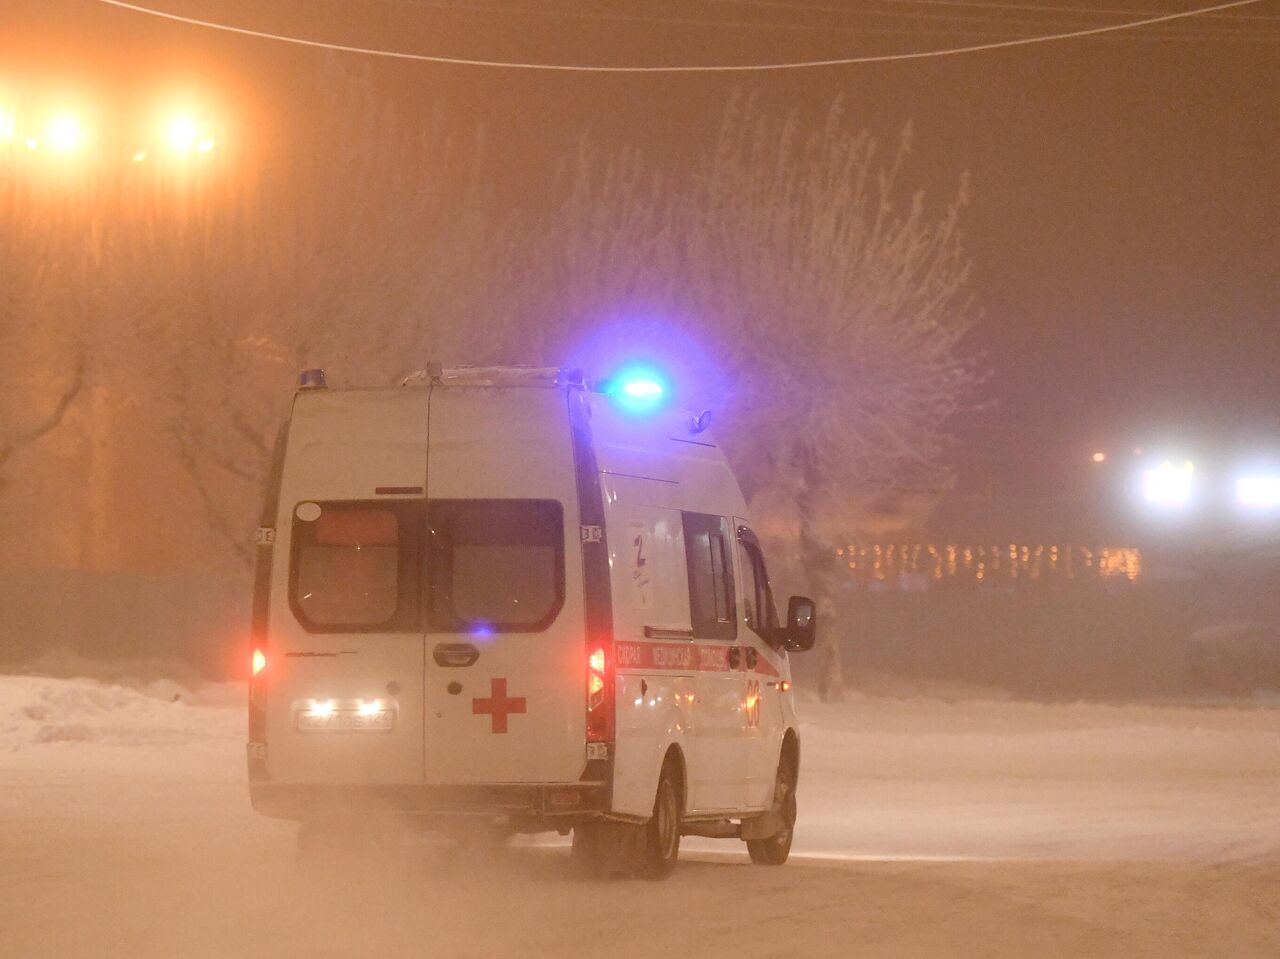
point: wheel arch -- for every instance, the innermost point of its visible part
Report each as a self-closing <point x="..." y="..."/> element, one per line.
<point x="790" y="750"/>
<point x="674" y="758"/>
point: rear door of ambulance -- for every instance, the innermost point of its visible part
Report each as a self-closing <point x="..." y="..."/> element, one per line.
<point x="344" y="658"/>
<point x="504" y="685"/>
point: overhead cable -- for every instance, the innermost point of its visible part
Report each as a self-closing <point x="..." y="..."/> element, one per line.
<point x="681" y="68"/>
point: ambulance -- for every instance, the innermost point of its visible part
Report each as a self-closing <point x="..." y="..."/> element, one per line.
<point x="516" y="599"/>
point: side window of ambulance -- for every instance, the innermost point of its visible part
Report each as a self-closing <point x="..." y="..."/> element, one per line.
<point x="711" y="599"/>
<point x="494" y="564"/>
<point x="354" y="566"/>
<point x="758" y="608"/>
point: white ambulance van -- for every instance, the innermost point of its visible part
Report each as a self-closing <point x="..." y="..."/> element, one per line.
<point x="507" y="596"/>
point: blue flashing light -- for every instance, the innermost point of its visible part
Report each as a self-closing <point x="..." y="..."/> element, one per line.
<point x="642" y="389"/>
<point x="637" y="389"/>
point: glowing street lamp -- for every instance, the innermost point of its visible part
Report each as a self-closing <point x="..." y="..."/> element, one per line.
<point x="1168" y="485"/>
<point x="182" y="134"/>
<point x="63" y="133"/>
<point x="1258" y="491"/>
<point x="1099" y="457"/>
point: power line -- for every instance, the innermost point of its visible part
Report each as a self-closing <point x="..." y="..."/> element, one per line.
<point x="977" y="11"/>
<point x="950" y="25"/>
<point x="689" y="68"/>
<point x="1084" y="11"/>
<point x="998" y="24"/>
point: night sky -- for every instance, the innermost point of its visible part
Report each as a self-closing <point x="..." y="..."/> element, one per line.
<point x="1125" y="196"/>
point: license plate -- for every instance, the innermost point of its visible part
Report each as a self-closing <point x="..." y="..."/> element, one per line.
<point x="347" y="720"/>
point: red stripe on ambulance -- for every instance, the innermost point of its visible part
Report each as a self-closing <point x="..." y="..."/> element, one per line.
<point x="683" y="657"/>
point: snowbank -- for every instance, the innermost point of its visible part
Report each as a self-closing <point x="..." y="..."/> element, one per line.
<point x="50" y="721"/>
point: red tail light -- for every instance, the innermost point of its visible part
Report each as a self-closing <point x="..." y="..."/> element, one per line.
<point x="599" y="698"/>
<point x="258" y="693"/>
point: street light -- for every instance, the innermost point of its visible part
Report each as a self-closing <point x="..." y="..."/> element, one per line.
<point x="1259" y="491"/>
<point x="183" y="134"/>
<point x="63" y="133"/>
<point x="1167" y="484"/>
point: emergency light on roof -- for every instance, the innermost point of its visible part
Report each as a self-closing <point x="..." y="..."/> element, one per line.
<point x="636" y="389"/>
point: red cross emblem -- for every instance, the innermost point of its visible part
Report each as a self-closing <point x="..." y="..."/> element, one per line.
<point x="497" y="706"/>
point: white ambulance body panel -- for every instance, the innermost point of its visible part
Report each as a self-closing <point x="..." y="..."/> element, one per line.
<point x="523" y="453"/>
<point x="428" y="607"/>
<point x="335" y="456"/>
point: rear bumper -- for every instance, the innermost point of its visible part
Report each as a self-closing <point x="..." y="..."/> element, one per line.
<point x="533" y="801"/>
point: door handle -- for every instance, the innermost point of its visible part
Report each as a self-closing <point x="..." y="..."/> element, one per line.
<point x="455" y="654"/>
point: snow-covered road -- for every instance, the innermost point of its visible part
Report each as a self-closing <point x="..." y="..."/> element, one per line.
<point x="929" y="828"/>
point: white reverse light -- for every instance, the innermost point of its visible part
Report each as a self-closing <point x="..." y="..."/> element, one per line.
<point x="1167" y="484"/>
<point x="1260" y="491"/>
<point x="371" y="708"/>
<point x="321" y="709"/>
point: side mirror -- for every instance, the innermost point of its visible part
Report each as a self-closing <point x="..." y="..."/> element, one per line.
<point x="802" y="622"/>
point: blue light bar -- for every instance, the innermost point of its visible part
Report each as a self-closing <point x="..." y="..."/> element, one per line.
<point x="641" y="389"/>
<point x="637" y="389"/>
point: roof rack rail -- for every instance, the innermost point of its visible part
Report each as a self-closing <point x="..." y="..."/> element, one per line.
<point x="550" y="376"/>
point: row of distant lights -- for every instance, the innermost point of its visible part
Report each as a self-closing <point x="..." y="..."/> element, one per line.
<point x="65" y="133"/>
<point x="1173" y="484"/>
<point x="882" y="562"/>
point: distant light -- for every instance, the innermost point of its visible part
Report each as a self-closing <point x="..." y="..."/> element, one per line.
<point x="371" y="708"/>
<point x="1099" y="457"/>
<point x="1258" y="491"/>
<point x="259" y="661"/>
<point x="1167" y="484"/>
<point x="63" y="133"/>
<point x="31" y="143"/>
<point x="8" y="125"/>
<point x="205" y="145"/>
<point x="321" y="709"/>
<point x="181" y="134"/>
<point x="139" y="156"/>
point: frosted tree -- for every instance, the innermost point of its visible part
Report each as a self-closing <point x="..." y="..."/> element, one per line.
<point x="353" y="252"/>
<point x="832" y="301"/>
<point x="42" y="351"/>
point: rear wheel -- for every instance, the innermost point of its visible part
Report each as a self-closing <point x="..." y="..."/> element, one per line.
<point x="775" y="850"/>
<point x="660" y="838"/>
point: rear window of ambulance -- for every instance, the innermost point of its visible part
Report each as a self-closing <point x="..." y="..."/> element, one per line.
<point x="494" y="564"/>
<point x="354" y="566"/>
<point x="440" y="566"/>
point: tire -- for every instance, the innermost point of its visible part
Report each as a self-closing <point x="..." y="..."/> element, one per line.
<point x="775" y="850"/>
<point x="659" y="846"/>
